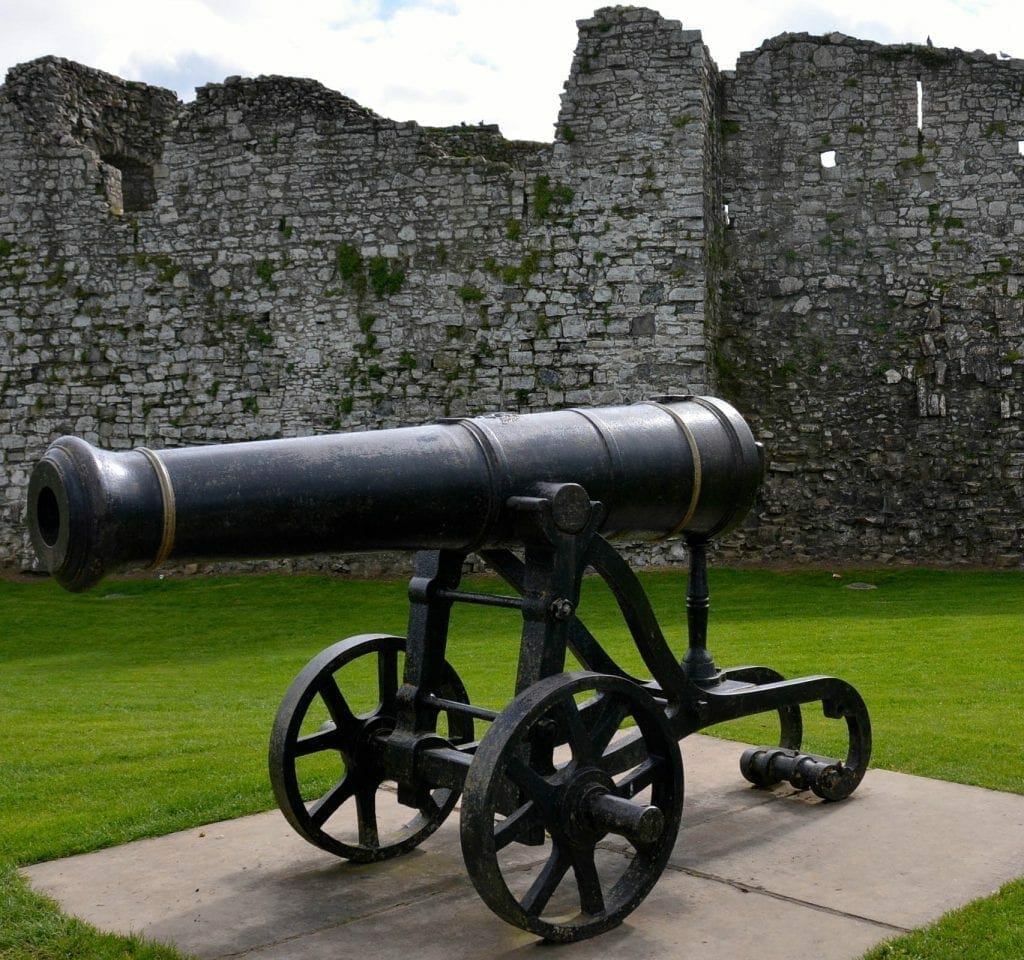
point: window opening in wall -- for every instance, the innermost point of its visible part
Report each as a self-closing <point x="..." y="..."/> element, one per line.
<point x="920" y="106"/>
<point x="828" y="159"/>
<point x="725" y="214"/>
<point x="1020" y="147"/>
<point x="138" y="191"/>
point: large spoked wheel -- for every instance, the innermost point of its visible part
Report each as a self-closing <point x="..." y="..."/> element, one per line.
<point x="586" y="766"/>
<point x="326" y="745"/>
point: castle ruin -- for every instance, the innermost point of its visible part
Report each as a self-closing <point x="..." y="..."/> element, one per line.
<point x="828" y="236"/>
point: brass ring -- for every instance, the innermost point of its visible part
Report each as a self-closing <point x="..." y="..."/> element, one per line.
<point x="170" y="516"/>
<point x="697" y="469"/>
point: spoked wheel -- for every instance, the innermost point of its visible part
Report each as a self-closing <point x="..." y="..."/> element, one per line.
<point x="325" y="752"/>
<point x="519" y="792"/>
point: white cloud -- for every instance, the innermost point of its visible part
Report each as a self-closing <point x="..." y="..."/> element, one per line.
<point x="440" y="61"/>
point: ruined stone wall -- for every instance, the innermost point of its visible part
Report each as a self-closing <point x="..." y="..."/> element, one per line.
<point x="274" y="259"/>
<point x="873" y="312"/>
<point x="632" y="144"/>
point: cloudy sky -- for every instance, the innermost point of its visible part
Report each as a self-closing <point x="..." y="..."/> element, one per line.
<point x="442" y="61"/>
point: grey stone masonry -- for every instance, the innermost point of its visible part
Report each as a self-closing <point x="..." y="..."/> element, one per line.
<point x="274" y="259"/>
<point x="873" y="311"/>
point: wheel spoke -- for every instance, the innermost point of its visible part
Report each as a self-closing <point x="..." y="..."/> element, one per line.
<point x="316" y="742"/>
<point x="366" y="812"/>
<point x="431" y="807"/>
<point x="337" y="706"/>
<point x="508" y="830"/>
<point x="324" y="808"/>
<point x="580" y="739"/>
<point x="588" y="881"/>
<point x="639" y="777"/>
<point x="550" y="876"/>
<point x="536" y="787"/>
<point x="605" y="717"/>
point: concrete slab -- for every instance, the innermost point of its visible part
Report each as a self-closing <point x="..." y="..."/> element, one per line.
<point x="753" y="873"/>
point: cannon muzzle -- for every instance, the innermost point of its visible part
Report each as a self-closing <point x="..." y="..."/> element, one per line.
<point x="661" y="468"/>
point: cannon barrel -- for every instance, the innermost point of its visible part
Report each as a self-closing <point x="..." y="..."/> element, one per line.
<point x="660" y="468"/>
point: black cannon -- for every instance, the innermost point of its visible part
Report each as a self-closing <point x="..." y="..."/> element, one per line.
<point x="575" y="757"/>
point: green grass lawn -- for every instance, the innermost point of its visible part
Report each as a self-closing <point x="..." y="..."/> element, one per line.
<point x="144" y="707"/>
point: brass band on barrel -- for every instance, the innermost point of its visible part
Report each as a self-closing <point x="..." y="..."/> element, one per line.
<point x="695" y="456"/>
<point x="167" y="492"/>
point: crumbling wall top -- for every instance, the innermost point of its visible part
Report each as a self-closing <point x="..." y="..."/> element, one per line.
<point x="113" y="117"/>
<point x="269" y="97"/>
<point x="924" y="53"/>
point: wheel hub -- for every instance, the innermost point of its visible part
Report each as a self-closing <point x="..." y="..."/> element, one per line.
<point x="577" y="804"/>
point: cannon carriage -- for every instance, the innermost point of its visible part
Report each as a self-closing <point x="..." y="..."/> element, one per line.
<point x="579" y="761"/>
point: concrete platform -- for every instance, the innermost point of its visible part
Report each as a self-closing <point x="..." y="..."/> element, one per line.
<point x="755" y="874"/>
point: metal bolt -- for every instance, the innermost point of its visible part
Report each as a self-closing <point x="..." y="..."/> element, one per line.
<point x="562" y="609"/>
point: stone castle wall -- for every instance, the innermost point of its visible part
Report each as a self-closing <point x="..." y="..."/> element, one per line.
<point x="873" y="314"/>
<point x="274" y="259"/>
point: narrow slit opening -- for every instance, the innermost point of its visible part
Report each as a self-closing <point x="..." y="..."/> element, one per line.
<point x="920" y="106"/>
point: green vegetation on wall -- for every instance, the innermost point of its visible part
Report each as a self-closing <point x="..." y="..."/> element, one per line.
<point x="549" y="198"/>
<point x="382" y="275"/>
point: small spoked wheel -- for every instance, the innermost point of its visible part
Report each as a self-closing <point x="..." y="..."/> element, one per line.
<point x="326" y="752"/>
<point x="571" y="805"/>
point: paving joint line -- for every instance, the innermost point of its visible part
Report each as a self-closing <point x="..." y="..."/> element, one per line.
<point x="785" y="898"/>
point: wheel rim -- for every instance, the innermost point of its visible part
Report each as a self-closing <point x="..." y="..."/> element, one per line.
<point x="348" y="818"/>
<point x="520" y="792"/>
